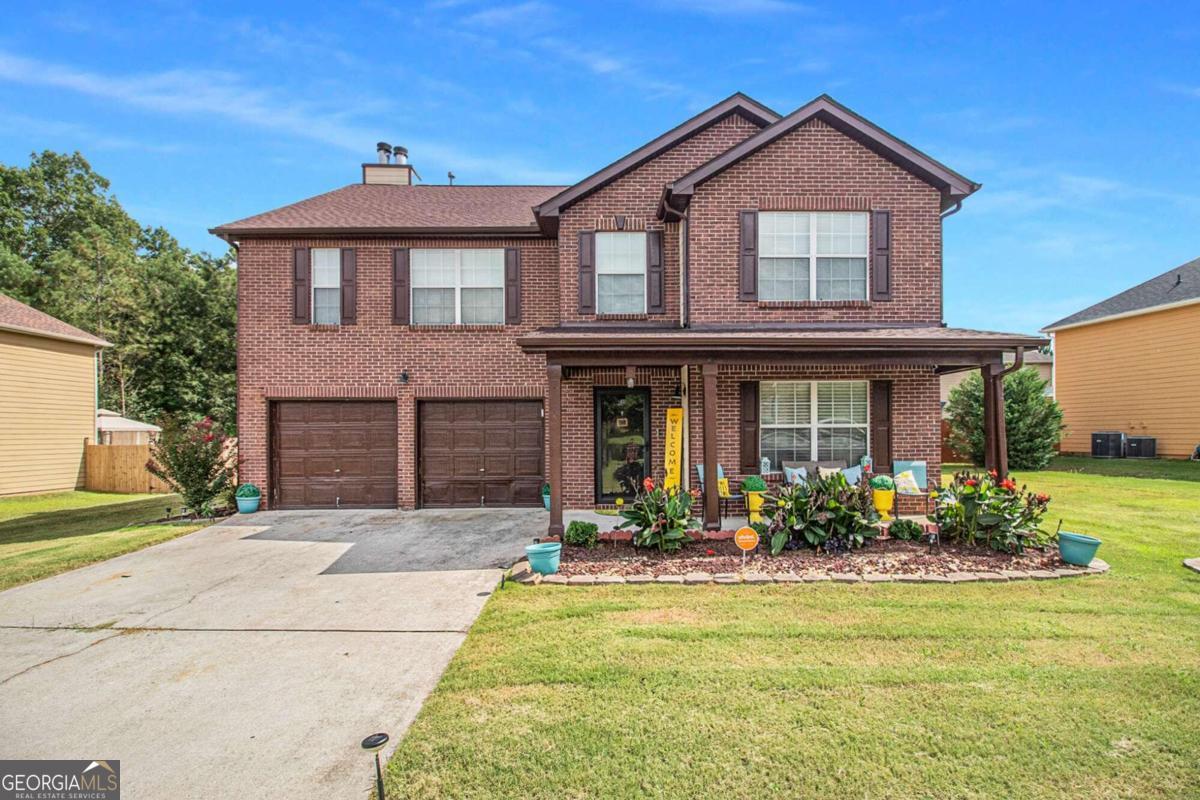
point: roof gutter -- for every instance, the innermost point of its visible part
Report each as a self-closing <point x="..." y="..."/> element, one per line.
<point x="1122" y="315"/>
<point x="96" y="342"/>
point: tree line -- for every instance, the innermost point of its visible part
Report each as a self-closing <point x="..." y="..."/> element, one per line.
<point x="68" y="248"/>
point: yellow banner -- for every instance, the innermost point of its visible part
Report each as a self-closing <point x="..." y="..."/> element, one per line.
<point x="673" y="452"/>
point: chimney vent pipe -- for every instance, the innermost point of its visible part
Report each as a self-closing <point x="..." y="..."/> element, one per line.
<point x="401" y="154"/>
<point x="384" y="150"/>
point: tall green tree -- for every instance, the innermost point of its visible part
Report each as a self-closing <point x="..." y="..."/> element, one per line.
<point x="69" y="249"/>
<point x="1032" y="421"/>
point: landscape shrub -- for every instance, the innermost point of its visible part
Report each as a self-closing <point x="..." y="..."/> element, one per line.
<point x="826" y="513"/>
<point x="660" y="517"/>
<point x="753" y="483"/>
<point x="883" y="483"/>
<point x="906" y="529"/>
<point x="982" y="508"/>
<point x="582" y="534"/>
<point x="1032" y="421"/>
<point x="191" y="459"/>
<point x="248" y="490"/>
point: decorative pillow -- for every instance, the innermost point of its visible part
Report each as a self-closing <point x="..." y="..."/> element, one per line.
<point x="853" y="474"/>
<point x="722" y="487"/>
<point x="906" y="483"/>
<point x="795" y="474"/>
<point x="828" y="472"/>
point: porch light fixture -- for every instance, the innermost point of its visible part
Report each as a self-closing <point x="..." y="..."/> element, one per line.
<point x="404" y="376"/>
<point x="677" y="395"/>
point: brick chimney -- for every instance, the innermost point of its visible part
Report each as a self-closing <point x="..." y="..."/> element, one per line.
<point x="394" y="172"/>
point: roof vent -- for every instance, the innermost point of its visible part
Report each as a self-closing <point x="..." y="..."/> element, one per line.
<point x="392" y="169"/>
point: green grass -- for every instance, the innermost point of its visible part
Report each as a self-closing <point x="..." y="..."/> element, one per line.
<point x="1129" y="467"/>
<point x="43" y="535"/>
<point x="1088" y="687"/>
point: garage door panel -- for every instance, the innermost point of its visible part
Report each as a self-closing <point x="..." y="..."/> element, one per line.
<point x="335" y="453"/>
<point x="503" y="438"/>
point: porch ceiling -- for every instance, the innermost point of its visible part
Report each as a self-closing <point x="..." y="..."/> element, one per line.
<point x="932" y="345"/>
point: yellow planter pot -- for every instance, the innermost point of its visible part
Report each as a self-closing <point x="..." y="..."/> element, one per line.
<point x="884" y="499"/>
<point x="754" y="504"/>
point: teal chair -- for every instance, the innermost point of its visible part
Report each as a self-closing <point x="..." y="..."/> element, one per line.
<point x="723" y="500"/>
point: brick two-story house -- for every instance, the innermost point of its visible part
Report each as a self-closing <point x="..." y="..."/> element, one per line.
<point x="777" y="278"/>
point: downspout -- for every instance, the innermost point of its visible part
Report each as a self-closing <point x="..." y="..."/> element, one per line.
<point x="950" y="212"/>
<point x="684" y="255"/>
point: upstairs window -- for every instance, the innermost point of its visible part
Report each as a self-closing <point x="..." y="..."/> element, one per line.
<point x="620" y="273"/>
<point x="457" y="287"/>
<point x="812" y="255"/>
<point x="326" y="286"/>
<point x="813" y="421"/>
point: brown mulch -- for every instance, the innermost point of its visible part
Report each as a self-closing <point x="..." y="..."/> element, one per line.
<point x="888" y="557"/>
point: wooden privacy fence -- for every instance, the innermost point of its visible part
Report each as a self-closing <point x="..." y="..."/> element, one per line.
<point x="119" y="468"/>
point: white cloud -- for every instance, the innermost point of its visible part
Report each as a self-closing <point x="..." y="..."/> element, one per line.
<point x="737" y="8"/>
<point x="532" y="13"/>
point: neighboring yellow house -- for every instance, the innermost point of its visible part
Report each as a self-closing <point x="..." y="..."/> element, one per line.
<point x="47" y="400"/>
<point x="1131" y="363"/>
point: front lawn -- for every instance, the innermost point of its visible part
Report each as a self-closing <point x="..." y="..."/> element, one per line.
<point x="1081" y="688"/>
<point x="43" y="535"/>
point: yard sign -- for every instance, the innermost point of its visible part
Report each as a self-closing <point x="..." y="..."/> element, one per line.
<point x="673" y="452"/>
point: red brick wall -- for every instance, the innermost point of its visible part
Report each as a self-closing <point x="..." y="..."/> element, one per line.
<point x="814" y="168"/>
<point x="635" y="195"/>
<point x="277" y="359"/>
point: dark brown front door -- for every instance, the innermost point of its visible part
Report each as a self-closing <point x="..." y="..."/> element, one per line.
<point x="481" y="453"/>
<point x="334" y="454"/>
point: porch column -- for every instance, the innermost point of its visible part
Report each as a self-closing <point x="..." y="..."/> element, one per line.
<point x="554" y="432"/>
<point x="1001" y="433"/>
<point x="712" y="512"/>
<point x="989" y="417"/>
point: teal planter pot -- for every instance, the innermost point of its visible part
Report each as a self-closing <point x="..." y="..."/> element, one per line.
<point x="248" y="505"/>
<point x="546" y="501"/>
<point x="1076" y="548"/>
<point x="544" y="557"/>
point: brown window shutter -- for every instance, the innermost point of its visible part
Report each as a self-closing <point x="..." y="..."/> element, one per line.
<point x="349" y="286"/>
<point x="881" y="255"/>
<point x="301" y="281"/>
<point x="750" y="429"/>
<point x="748" y="257"/>
<point x="656" y="290"/>
<point x="512" y="286"/>
<point x="587" y="272"/>
<point x="881" y="425"/>
<point x="400" y="294"/>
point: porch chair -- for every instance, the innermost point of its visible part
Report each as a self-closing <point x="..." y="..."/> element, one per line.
<point x="920" y="471"/>
<point x="723" y="500"/>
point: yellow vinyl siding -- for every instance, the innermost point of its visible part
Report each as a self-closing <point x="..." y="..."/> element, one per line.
<point x="1139" y="374"/>
<point x="47" y="411"/>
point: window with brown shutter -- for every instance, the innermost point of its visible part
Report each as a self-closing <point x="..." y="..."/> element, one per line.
<point x="750" y="429"/>
<point x="301" y="277"/>
<point x="587" y="272"/>
<point x="349" y="286"/>
<point x="512" y="286"/>
<point x="881" y="425"/>
<point x="400" y="284"/>
<point x="881" y="255"/>
<point x="655" y="280"/>
<point x="748" y="256"/>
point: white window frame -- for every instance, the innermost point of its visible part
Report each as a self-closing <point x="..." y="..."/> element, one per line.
<point x="812" y="255"/>
<point x="600" y="271"/>
<point x="312" y="284"/>
<point x="814" y="424"/>
<point x="458" y="286"/>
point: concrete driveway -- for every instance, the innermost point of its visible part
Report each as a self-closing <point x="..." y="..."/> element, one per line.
<point x="250" y="658"/>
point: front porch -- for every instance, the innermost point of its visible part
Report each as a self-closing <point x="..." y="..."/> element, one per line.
<point x="885" y="403"/>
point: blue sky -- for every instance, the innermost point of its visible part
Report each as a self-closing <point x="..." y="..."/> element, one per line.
<point x="1080" y="119"/>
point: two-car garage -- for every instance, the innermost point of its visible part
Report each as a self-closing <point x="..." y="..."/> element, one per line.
<point x="344" y="454"/>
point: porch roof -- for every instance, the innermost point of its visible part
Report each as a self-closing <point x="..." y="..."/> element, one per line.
<point x="934" y="345"/>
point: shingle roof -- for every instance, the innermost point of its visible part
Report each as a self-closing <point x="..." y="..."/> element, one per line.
<point x="382" y="208"/>
<point x="1176" y="285"/>
<point x="16" y="316"/>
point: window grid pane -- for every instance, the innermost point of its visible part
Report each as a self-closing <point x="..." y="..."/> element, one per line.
<point x="788" y="427"/>
<point x="785" y="238"/>
<point x="620" y="294"/>
<point x="482" y="306"/>
<point x="783" y="279"/>
<point x="327" y="306"/>
<point x="620" y="253"/>
<point x="475" y="277"/>
<point x="433" y="306"/>
<point x="326" y="268"/>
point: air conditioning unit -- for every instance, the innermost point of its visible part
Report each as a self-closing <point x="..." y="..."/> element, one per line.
<point x="1108" y="444"/>
<point x="1141" y="447"/>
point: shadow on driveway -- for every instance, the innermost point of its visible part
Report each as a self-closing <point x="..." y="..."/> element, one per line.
<point x="427" y="540"/>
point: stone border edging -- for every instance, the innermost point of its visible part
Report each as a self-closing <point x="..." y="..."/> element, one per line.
<point x="522" y="574"/>
<point x="1192" y="563"/>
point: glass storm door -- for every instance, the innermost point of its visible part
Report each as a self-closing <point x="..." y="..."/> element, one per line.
<point x="622" y="442"/>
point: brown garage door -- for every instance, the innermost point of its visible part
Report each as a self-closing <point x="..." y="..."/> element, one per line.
<point x="481" y="452"/>
<point x="334" y="454"/>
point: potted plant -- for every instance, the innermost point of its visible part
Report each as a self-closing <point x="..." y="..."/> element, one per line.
<point x="753" y="486"/>
<point x="248" y="497"/>
<point x="544" y="556"/>
<point x="546" y="495"/>
<point x="883" y="494"/>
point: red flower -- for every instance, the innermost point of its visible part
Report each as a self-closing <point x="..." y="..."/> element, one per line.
<point x="648" y="484"/>
<point x="694" y="492"/>
<point x="972" y="482"/>
<point x="993" y="473"/>
<point x="1008" y="484"/>
<point x="208" y="437"/>
<point x="205" y="423"/>
<point x="1043" y="498"/>
<point x="710" y="552"/>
